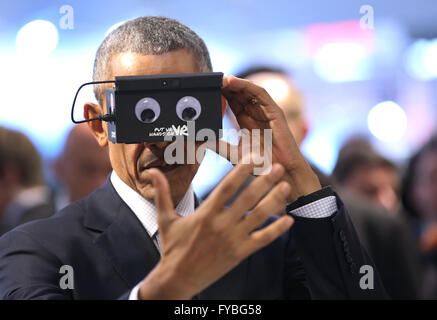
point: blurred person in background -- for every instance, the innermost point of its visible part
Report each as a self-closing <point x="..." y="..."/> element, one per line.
<point x="385" y="237"/>
<point x="24" y="195"/>
<point x="419" y="196"/>
<point x="82" y="166"/>
<point x="361" y="171"/>
<point x="367" y="180"/>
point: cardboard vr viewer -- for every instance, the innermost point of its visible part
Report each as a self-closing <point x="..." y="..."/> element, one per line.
<point x="161" y="107"/>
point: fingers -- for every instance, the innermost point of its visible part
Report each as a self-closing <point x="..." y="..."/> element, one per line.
<point x="235" y="85"/>
<point x="256" y="191"/>
<point x="163" y="202"/>
<point x="227" y="187"/>
<point x="274" y="203"/>
<point x="263" y="237"/>
<point x="246" y="98"/>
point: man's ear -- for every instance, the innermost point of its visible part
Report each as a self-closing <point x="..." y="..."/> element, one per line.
<point x="97" y="127"/>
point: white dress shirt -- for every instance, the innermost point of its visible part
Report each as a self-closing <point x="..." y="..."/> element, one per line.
<point x="145" y="211"/>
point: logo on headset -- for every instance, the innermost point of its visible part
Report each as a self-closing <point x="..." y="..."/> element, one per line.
<point x="171" y="131"/>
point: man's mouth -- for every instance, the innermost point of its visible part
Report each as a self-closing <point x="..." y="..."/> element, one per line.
<point x="160" y="165"/>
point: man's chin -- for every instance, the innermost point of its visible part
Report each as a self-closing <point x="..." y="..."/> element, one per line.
<point x="174" y="178"/>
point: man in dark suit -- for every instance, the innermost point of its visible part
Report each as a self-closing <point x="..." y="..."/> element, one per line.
<point x="142" y="235"/>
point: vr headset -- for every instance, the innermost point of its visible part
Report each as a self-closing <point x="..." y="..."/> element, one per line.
<point x="162" y="107"/>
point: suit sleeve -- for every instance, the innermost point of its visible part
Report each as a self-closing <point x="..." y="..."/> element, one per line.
<point x="29" y="272"/>
<point x="335" y="263"/>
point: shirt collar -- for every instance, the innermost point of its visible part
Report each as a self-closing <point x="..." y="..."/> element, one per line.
<point x="144" y="209"/>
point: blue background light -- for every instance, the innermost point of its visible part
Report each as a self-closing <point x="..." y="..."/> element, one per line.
<point x="342" y="70"/>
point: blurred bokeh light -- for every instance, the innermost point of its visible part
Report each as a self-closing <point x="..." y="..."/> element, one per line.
<point x="387" y="121"/>
<point x="37" y="39"/>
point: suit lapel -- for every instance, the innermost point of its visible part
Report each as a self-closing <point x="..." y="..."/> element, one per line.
<point x="122" y="237"/>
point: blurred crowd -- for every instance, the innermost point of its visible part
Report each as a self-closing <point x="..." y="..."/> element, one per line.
<point x="393" y="206"/>
<point x="80" y="168"/>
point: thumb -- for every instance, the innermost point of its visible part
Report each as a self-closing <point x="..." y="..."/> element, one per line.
<point x="163" y="202"/>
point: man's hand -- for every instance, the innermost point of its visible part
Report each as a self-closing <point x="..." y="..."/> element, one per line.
<point x="255" y="109"/>
<point x="199" y="249"/>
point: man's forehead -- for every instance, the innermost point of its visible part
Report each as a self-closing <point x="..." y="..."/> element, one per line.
<point x="131" y="63"/>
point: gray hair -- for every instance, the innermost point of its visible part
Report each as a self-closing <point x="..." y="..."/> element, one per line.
<point x="148" y="36"/>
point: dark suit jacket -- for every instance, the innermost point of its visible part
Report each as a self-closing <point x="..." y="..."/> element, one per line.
<point x="17" y="214"/>
<point x="389" y="242"/>
<point x="111" y="252"/>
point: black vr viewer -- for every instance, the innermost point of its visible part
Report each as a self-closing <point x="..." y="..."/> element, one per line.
<point x="162" y="107"/>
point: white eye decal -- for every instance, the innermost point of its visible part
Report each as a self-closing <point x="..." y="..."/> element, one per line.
<point x="188" y="108"/>
<point x="147" y="110"/>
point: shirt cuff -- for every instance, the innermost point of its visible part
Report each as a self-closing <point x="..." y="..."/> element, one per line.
<point x="319" y="204"/>
<point x="134" y="293"/>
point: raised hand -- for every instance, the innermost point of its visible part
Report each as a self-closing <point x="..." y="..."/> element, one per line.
<point x="255" y="109"/>
<point x="199" y="249"/>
